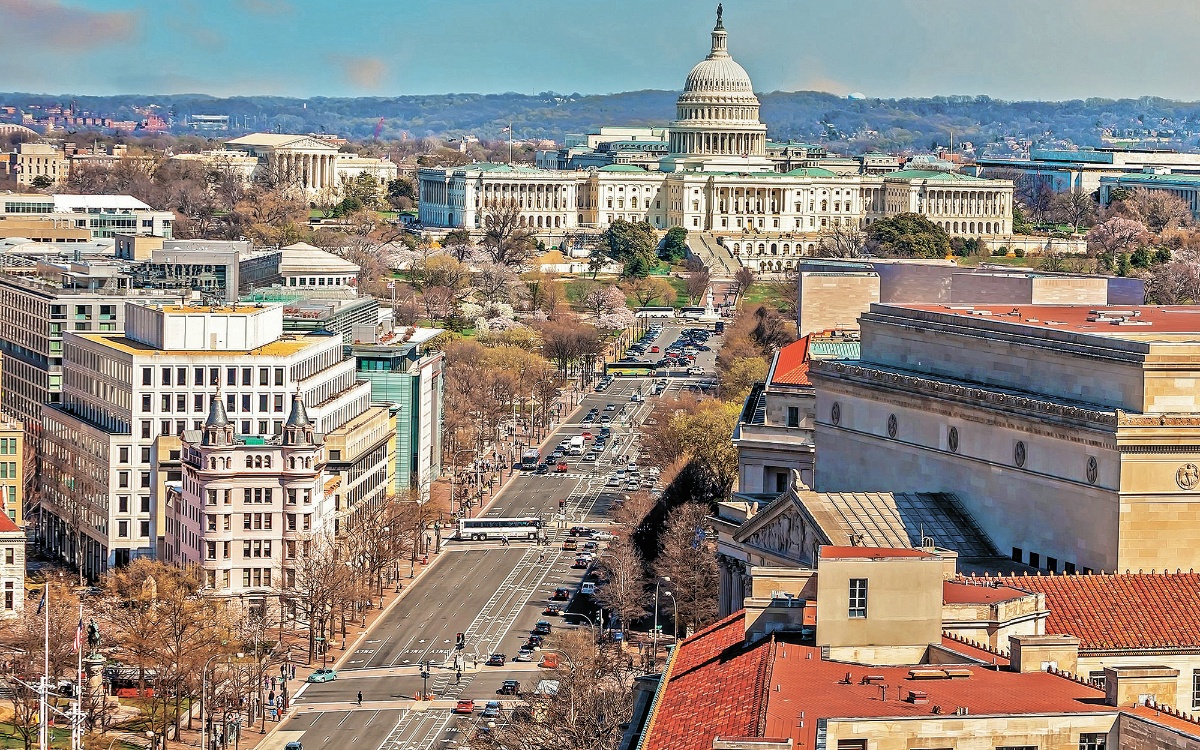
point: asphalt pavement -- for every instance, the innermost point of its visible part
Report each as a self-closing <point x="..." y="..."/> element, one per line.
<point x="493" y="594"/>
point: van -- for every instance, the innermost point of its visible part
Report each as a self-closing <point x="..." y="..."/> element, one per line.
<point x="577" y="444"/>
<point x="587" y="587"/>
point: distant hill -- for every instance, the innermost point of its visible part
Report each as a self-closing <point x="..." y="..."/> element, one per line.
<point x="840" y="123"/>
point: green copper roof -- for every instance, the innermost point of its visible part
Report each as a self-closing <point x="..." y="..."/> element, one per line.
<point x="930" y="174"/>
<point x="487" y="166"/>
<point x="810" y="172"/>
<point x="621" y="168"/>
<point x="1146" y="177"/>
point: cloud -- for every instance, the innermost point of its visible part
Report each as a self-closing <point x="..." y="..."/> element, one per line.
<point x="49" y="25"/>
<point x="361" y="72"/>
<point x="267" y="7"/>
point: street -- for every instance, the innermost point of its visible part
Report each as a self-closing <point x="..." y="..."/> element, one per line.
<point x="490" y="592"/>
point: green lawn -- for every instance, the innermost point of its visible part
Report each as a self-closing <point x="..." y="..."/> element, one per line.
<point x="999" y="260"/>
<point x="60" y="737"/>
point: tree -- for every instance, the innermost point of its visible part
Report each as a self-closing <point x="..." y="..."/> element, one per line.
<point x="459" y="245"/>
<point x="699" y="430"/>
<point x="842" y="240"/>
<point x="1114" y="235"/>
<point x="908" y="235"/>
<point x="744" y="279"/>
<point x="1073" y="207"/>
<point x="740" y="375"/>
<point x="505" y="238"/>
<point x="42" y="182"/>
<point x="1176" y="282"/>
<point x="688" y="558"/>
<point x="633" y="245"/>
<point x="1156" y="209"/>
<point x="696" y="285"/>
<point x="569" y="344"/>
<point x="623" y="591"/>
<point x="651" y="291"/>
<point x="602" y="300"/>
<point x="674" y="247"/>
<point x="495" y="283"/>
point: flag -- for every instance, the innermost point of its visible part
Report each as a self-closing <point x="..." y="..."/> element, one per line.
<point x="391" y="285"/>
<point x="506" y="130"/>
<point x="42" y="601"/>
<point x="78" y="638"/>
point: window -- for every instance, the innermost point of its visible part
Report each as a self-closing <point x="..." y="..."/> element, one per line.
<point x="198" y="376"/>
<point x="146" y="405"/>
<point x="10" y="555"/>
<point x="1092" y="740"/>
<point x="793" y="416"/>
<point x="1097" y="679"/>
<point x="852" y="745"/>
<point x="145" y="453"/>
<point x="147" y="376"/>
<point x="1052" y="564"/>
<point x="146" y="428"/>
<point x="166" y="376"/>
<point x="198" y="402"/>
<point x="278" y="376"/>
<point x="1035" y="560"/>
<point x="1018" y="555"/>
<point x="858" y="598"/>
<point x="123" y="529"/>
<point x="1195" y="687"/>
<point x="144" y="529"/>
<point x="145" y="500"/>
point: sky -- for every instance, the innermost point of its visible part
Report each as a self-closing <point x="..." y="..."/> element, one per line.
<point x="1008" y="49"/>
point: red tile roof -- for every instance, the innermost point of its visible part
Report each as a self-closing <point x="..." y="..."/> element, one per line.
<point x="791" y="364"/>
<point x="6" y="523"/>
<point x="976" y="651"/>
<point x="1156" y="319"/>
<point x="713" y="682"/>
<point x="717" y="686"/>
<point x="829" y="552"/>
<point x="1122" y="611"/>
<point x="969" y="592"/>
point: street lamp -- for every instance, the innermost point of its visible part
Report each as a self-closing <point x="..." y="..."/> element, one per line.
<point x="654" y="635"/>
<point x="674" y="615"/>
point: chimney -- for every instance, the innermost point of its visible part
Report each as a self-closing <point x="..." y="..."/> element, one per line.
<point x="1130" y="686"/>
<point x="1037" y="653"/>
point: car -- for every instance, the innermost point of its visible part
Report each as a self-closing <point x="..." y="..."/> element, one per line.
<point x="606" y="419"/>
<point x="497" y="660"/>
<point x="560" y="467"/>
<point x="542" y="469"/>
<point x="542" y="627"/>
<point x="704" y="348"/>
<point x="552" y="610"/>
<point x="590" y="546"/>
<point x="578" y="531"/>
<point x="465" y="706"/>
<point x="491" y="710"/>
<point x="525" y="654"/>
<point x="695" y="371"/>
<point x="610" y="407"/>
<point x="296" y="745"/>
<point x="586" y="435"/>
<point x="620" y="473"/>
<point x="632" y="485"/>
<point x="509" y="687"/>
<point x="591" y="456"/>
<point x="561" y="594"/>
<point x="654" y="350"/>
<point x="323" y="674"/>
<point x="637" y="397"/>
<point x="556" y="455"/>
<point x="603" y="536"/>
<point x="549" y="661"/>
<point x="613" y="482"/>
<point x="601" y="388"/>
<point x="534" y="641"/>
<point x="605" y="431"/>
<point x="570" y="545"/>
<point x="580" y="562"/>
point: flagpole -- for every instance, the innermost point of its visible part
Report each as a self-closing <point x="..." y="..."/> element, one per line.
<point x="77" y="718"/>
<point x="510" y="142"/>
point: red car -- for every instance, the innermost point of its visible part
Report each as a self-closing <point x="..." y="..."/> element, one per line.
<point x="465" y="707"/>
<point x="587" y="436"/>
<point x="562" y="466"/>
<point x="654" y="350"/>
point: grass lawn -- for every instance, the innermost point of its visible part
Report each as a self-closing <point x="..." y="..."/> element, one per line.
<point x="761" y="293"/>
<point x="60" y="737"/>
<point x="975" y="260"/>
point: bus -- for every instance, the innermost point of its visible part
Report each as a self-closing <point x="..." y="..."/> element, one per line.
<point x="654" y="312"/>
<point x="631" y="369"/>
<point x="530" y="459"/>
<point x="478" y="529"/>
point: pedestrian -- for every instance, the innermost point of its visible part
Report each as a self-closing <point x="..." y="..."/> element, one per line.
<point x="458" y="677"/>
<point x="360" y="697"/>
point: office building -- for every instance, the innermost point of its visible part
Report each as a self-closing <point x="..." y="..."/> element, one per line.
<point x="124" y="391"/>
<point x="1084" y="170"/>
<point x="102" y="215"/>
<point x="12" y="568"/>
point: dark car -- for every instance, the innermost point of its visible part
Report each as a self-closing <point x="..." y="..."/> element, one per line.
<point x="491" y="710"/>
<point x="579" y="531"/>
<point x="542" y="627"/>
<point x="497" y="660"/>
<point x="534" y="641"/>
<point x="551" y="610"/>
<point x="562" y="594"/>
<point x="542" y="469"/>
<point x="509" y="687"/>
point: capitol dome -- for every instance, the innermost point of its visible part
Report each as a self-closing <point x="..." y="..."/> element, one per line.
<point x="716" y="123"/>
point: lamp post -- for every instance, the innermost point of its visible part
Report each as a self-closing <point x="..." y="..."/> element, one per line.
<point x="674" y="615"/>
<point x="591" y="625"/>
<point x="654" y="635"/>
<point x="204" y="707"/>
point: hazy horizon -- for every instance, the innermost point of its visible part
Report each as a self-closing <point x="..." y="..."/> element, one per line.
<point x="1011" y="50"/>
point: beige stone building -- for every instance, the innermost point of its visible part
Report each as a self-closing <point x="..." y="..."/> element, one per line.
<point x="12" y="568"/>
<point x="1069" y="433"/>
<point x="29" y="161"/>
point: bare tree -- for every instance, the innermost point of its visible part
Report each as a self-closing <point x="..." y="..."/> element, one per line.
<point x="688" y="558"/>
<point x="842" y="240"/>
<point x="495" y="282"/>
<point x="1175" y="282"/>
<point x="623" y="590"/>
<point x="744" y="279"/>
<point x="459" y="244"/>
<point x="650" y="290"/>
<point x="1157" y="209"/>
<point x="1074" y="207"/>
<point x="696" y="285"/>
<point x="505" y="238"/>
<point x="1115" y="235"/>
<point x="313" y="579"/>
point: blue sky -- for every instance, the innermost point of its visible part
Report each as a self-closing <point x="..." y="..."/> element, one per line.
<point x="1012" y="49"/>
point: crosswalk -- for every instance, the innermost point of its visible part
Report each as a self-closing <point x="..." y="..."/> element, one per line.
<point x="417" y="730"/>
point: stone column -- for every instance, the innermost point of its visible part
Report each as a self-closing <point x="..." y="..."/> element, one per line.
<point x="92" y="700"/>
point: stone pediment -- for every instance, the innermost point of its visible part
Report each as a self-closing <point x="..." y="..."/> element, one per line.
<point x="783" y="529"/>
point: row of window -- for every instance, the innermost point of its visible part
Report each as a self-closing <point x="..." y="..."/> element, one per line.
<point x="1087" y="741"/>
<point x="200" y="376"/>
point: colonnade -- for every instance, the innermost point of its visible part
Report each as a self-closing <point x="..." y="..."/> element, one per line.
<point x="719" y="144"/>
<point x="309" y="171"/>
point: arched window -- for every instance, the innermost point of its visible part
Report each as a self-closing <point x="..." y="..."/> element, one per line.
<point x="291" y="462"/>
<point x="774" y="249"/>
<point x="824" y="205"/>
<point x="249" y="462"/>
<point x="258" y="462"/>
<point x="266" y="462"/>
<point x="308" y="463"/>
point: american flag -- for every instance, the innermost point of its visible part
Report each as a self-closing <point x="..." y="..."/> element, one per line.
<point x="506" y="130"/>
<point x="78" y="638"/>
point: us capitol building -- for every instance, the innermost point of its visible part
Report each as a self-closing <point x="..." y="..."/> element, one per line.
<point x="716" y="177"/>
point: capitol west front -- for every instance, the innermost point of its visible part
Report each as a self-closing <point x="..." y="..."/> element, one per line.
<point x="716" y="178"/>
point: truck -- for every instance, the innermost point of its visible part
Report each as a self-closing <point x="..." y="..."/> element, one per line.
<point x="577" y="445"/>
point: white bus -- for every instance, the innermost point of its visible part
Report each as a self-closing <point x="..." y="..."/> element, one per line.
<point x="477" y="529"/>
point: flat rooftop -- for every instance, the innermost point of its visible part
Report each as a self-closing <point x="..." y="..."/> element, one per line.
<point x="282" y="347"/>
<point x="1132" y="322"/>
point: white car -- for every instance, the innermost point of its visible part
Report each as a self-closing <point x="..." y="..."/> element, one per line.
<point x="637" y="397"/>
<point x="695" y="371"/>
<point x="602" y="536"/>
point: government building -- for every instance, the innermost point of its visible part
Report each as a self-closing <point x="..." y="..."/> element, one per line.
<point x="717" y="177"/>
